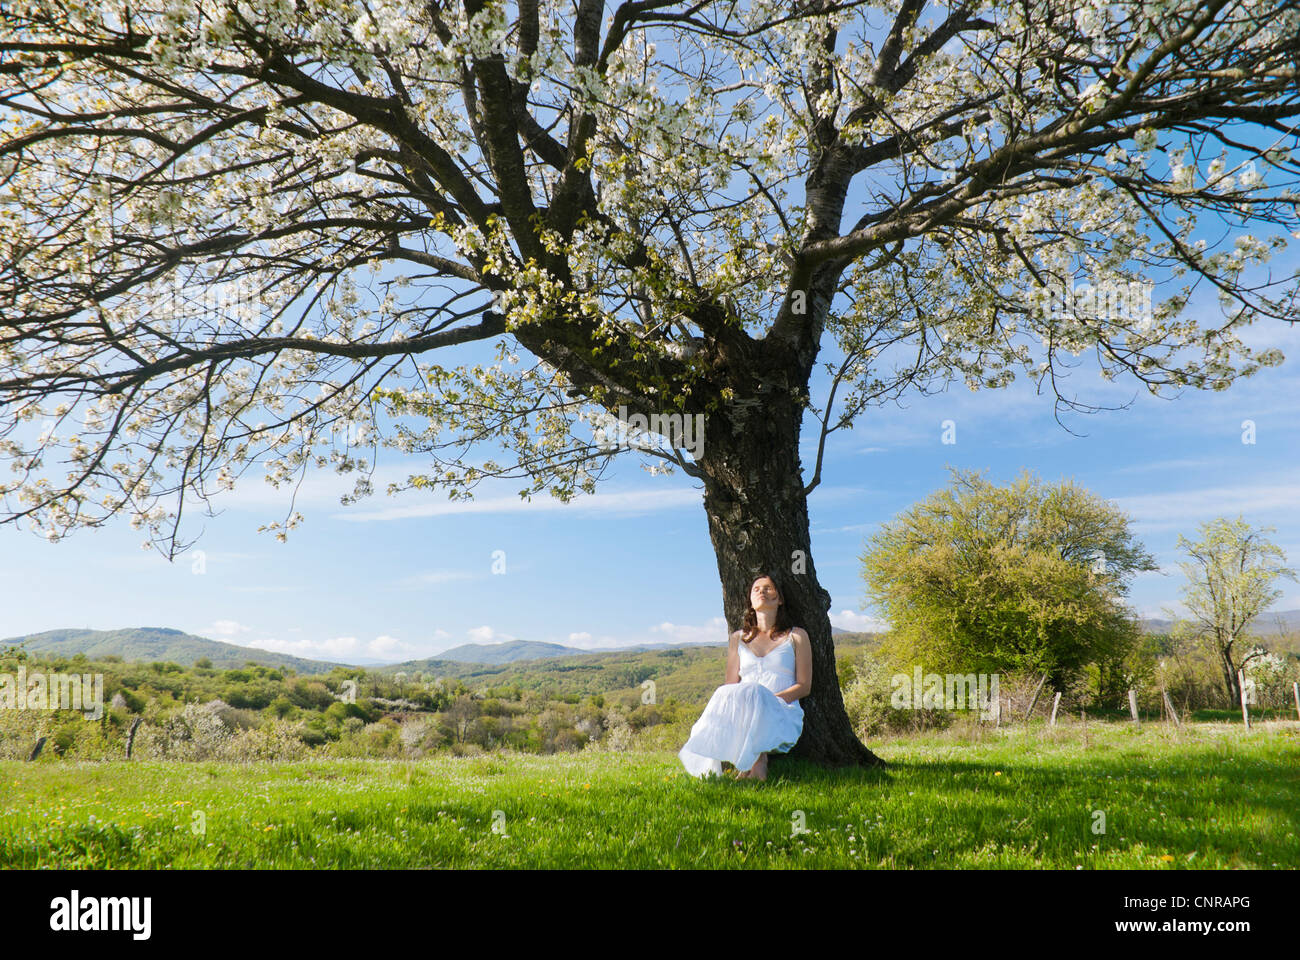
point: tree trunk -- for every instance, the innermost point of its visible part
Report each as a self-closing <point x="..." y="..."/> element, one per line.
<point x="1229" y="675"/>
<point x="758" y="521"/>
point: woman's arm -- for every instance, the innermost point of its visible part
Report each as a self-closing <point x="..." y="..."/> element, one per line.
<point x="802" y="667"/>
<point x="733" y="658"/>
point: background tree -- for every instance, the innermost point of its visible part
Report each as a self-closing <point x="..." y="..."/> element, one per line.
<point x="1027" y="577"/>
<point x="672" y="207"/>
<point x="1132" y="663"/>
<point x="1230" y="579"/>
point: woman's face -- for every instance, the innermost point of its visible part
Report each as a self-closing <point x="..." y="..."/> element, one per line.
<point x="763" y="594"/>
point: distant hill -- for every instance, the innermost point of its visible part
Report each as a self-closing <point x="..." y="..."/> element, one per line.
<point x="159" y="644"/>
<point x="535" y="650"/>
<point x="1265" y="625"/>
<point x="473" y="655"/>
<point x="151" y="644"/>
<point x="507" y="652"/>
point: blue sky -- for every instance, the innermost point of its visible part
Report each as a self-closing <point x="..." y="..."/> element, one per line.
<point x="408" y="576"/>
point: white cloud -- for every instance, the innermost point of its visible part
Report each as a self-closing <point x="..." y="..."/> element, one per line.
<point x="628" y="502"/>
<point x="1164" y="465"/>
<point x="432" y="578"/>
<point x="850" y="528"/>
<point x="319" y="488"/>
<point x="1185" y="510"/>
<point x="579" y="637"/>
<point x="486" y="634"/>
<point x="391" y="648"/>
<point x="345" y="649"/>
<point x="857" y="622"/>
<point x="330" y="648"/>
<point x="603" y="642"/>
<point x="715" y="631"/>
<point x="826" y="495"/>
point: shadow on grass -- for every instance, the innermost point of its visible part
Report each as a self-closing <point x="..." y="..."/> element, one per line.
<point x="1182" y="783"/>
<point x="795" y="770"/>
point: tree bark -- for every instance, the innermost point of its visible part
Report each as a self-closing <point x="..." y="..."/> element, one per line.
<point x="1229" y="674"/>
<point x="130" y="737"/>
<point x="758" y="522"/>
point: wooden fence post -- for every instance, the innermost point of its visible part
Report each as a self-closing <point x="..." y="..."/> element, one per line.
<point x="1169" y="705"/>
<point x="1133" y="704"/>
<point x="1295" y="688"/>
<point x="130" y="737"/>
<point x="1056" y="702"/>
<point x="1241" y="687"/>
<point x="36" y="750"/>
<point x="1034" y="702"/>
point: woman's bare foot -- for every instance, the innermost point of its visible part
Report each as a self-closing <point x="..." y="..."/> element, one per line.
<point x="758" y="771"/>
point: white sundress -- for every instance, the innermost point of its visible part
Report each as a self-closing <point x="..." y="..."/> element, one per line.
<point x="745" y="719"/>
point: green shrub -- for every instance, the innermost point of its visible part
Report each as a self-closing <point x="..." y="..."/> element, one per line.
<point x="132" y="701"/>
<point x="340" y="710"/>
<point x="62" y="740"/>
<point x="311" y="736"/>
<point x="846" y="671"/>
<point x="253" y="696"/>
<point x="310" y="694"/>
<point x="868" y="703"/>
<point x="645" y="715"/>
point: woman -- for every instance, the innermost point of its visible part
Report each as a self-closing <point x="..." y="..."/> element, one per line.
<point x="756" y="711"/>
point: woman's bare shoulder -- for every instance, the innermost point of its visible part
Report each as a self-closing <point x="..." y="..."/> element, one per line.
<point x="734" y="639"/>
<point x="799" y="633"/>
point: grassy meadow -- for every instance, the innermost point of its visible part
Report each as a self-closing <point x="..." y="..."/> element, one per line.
<point x="1208" y="796"/>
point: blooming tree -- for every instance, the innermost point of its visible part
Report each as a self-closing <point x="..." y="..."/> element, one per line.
<point x="1231" y="572"/>
<point x="668" y="207"/>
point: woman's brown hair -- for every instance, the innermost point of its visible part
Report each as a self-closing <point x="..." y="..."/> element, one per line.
<point x="784" y="621"/>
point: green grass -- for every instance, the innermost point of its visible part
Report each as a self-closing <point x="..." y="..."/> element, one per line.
<point x="1209" y="797"/>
